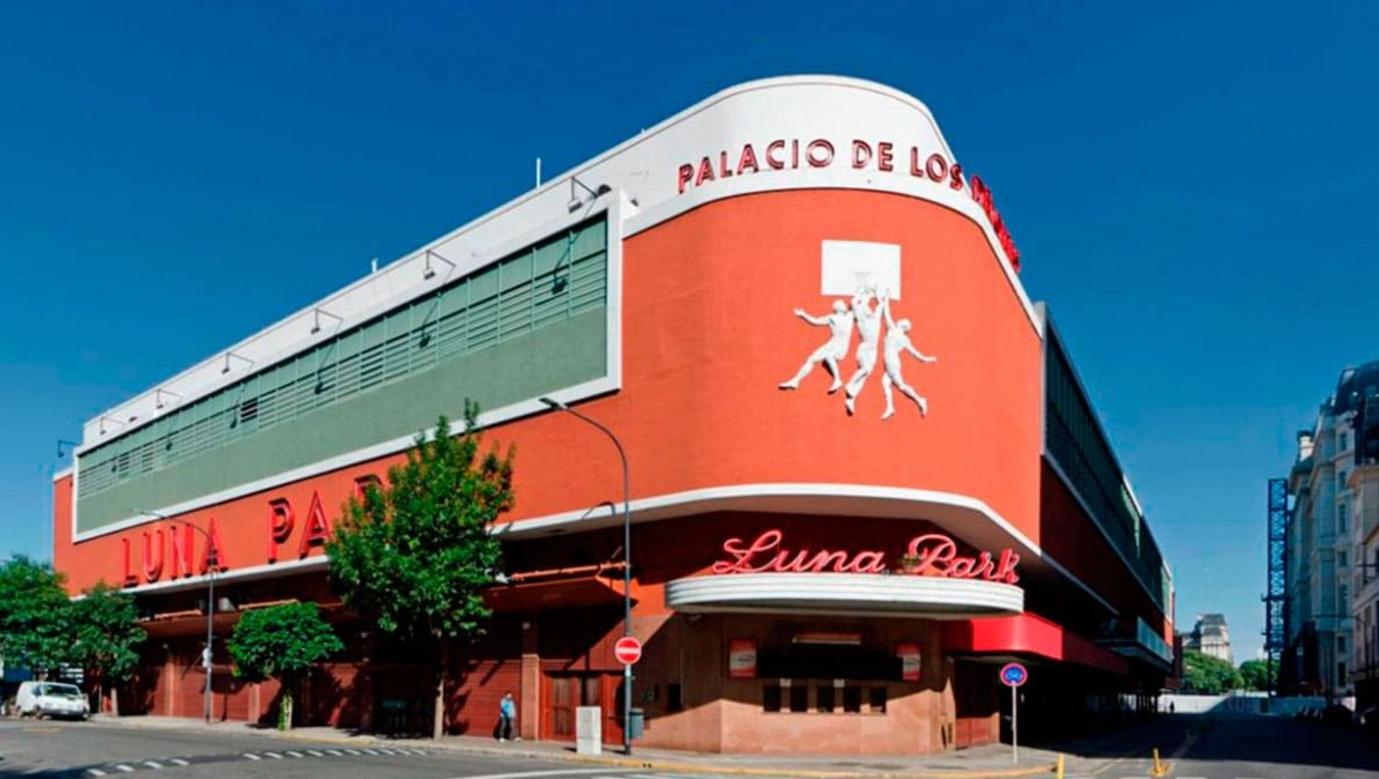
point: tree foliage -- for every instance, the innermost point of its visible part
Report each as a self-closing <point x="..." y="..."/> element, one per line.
<point x="281" y="642"/>
<point x="1255" y="674"/>
<point x="33" y="616"/>
<point x="1207" y="675"/>
<point x="106" y="635"/>
<point x="416" y="556"/>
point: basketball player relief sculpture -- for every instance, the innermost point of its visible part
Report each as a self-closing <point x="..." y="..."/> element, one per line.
<point x="867" y="265"/>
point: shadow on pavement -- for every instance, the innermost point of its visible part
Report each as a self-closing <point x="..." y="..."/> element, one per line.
<point x="1225" y="736"/>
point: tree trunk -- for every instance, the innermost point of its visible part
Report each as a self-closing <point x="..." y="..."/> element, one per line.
<point x="285" y="707"/>
<point x="438" y="714"/>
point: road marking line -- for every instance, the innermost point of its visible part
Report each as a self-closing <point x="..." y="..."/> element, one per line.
<point x="126" y="768"/>
<point x="370" y="752"/>
<point x="153" y="764"/>
<point x="95" y="772"/>
<point x="274" y="755"/>
<point x="252" y="756"/>
<point x="314" y="753"/>
<point x="179" y="761"/>
<point x="335" y="752"/>
<point x="352" y="751"/>
<point x="294" y="753"/>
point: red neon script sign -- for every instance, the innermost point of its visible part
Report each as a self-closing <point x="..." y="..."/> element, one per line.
<point x="931" y="554"/>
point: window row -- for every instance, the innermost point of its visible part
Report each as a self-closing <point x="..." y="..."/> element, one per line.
<point x="827" y="697"/>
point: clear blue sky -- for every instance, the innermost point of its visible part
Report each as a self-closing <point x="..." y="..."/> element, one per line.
<point x="1193" y="191"/>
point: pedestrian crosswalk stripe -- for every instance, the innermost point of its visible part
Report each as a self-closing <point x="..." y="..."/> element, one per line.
<point x="335" y="752"/>
<point x="274" y="755"/>
<point x="352" y="751"/>
<point x="126" y="768"/>
<point x="153" y="764"/>
<point x="252" y="756"/>
<point x="294" y="754"/>
<point x="179" y="761"/>
<point x="370" y="752"/>
<point x="314" y="753"/>
<point x="95" y="772"/>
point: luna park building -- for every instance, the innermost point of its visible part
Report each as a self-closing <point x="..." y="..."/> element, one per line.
<point x="864" y="472"/>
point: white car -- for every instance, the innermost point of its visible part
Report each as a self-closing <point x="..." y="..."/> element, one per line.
<point x="51" y="699"/>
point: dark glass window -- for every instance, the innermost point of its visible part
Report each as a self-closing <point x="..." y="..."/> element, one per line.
<point x="799" y="698"/>
<point x="852" y="699"/>
<point x="878" y="700"/>
<point x="770" y="697"/>
<point x="823" y="698"/>
<point x="673" y="700"/>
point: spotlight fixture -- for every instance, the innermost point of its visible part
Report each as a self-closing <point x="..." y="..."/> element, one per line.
<point x="577" y="202"/>
<point x="430" y="272"/>
<point x="158" y="397"/>
<point x="316" y="319"/>
<point x="226" y="368"/>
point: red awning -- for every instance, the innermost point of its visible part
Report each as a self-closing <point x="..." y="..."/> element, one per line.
<point x="1026" y="634"/>
<point x="571" y="592"/>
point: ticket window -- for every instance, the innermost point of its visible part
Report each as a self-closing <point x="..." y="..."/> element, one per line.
<point x="823" y="696"/>
<point x="827" y="674"/>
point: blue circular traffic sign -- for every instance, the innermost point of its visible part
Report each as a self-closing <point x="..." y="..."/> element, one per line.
<point x="1013" y="674"/>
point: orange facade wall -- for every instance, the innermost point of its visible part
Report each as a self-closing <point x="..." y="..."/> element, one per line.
<point x="708" y="333"/>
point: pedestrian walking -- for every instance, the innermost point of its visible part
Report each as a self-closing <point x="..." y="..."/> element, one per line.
<point x="507" y="714"/>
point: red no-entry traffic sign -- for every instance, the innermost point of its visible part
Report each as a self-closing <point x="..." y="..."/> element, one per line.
<point x="628" y="650"/>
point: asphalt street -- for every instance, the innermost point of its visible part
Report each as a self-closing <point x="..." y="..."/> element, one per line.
<point x="1219" y="746"/>
<point x="1246" y="746"/>
<point x="74" y="749"/>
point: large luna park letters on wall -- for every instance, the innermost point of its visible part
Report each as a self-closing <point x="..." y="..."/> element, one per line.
<point x="930" y="554"/>
<point x="195" y="548"/>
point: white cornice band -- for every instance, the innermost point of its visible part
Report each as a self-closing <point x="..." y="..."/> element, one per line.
<point x="845" y="594"/>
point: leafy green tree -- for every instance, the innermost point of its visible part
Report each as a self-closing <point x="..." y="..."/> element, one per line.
<point x="281" y="642"/>
<point x="1255" y="674"/>
<point x="1209" y="676"/>
<point x="106" y="637"/>
<point x="34" y="612"/>
<point x="416" y="555"/>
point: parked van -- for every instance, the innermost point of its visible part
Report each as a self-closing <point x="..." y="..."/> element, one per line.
<point x="51" y="699"/>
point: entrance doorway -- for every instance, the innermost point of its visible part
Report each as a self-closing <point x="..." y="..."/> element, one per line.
<point x="563" y="692"/>
<point x="975" y="694"/>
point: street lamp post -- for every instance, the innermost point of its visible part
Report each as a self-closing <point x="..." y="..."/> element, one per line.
<point x="206" y="656"/>
<point x="626" y="570"/>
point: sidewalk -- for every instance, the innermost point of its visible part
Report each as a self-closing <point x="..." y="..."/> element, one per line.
<point x="991" y="761"/>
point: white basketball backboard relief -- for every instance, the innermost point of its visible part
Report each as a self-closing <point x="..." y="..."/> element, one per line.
<point x="867" y="277"/>
<point x="848" y="266"/>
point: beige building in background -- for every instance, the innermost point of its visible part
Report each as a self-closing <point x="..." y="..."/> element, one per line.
<point x="1210" y="637"/>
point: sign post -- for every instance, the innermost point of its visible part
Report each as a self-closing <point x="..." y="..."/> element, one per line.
<point x="1013" y="675"/>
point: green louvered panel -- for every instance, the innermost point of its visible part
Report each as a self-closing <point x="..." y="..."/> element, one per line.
<point x="545" y="305"/>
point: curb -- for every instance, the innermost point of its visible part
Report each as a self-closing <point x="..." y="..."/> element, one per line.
<point x="731" y="770"/>
<point x="658" y="764"/>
